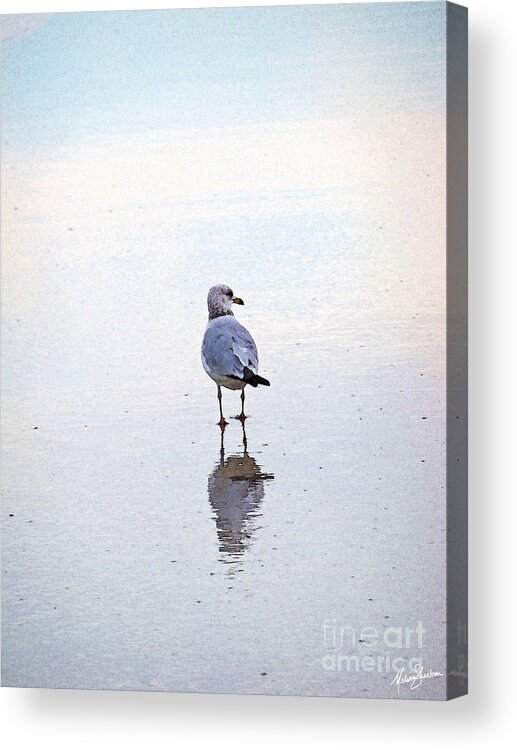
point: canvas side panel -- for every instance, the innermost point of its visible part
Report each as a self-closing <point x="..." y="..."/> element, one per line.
<point x="457" y="360"/>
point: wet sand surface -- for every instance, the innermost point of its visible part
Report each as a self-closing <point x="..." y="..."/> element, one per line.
<point x="139" y="555"/>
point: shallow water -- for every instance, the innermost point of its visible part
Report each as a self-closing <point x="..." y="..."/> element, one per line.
<point x="142" y="549"/>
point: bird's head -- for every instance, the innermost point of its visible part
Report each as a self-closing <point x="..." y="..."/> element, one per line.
<point x="220" y="300"/>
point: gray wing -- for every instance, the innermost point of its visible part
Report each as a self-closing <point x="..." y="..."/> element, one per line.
<point x="228" y="348"/>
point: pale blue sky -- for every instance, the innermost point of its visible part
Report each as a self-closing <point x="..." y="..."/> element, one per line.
<point x="94" y="75"/>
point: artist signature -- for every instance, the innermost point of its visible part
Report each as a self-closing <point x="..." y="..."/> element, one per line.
<point x="413" y="679"/>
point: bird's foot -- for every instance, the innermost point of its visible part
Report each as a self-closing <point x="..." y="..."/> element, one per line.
<point x="222" y="423"/>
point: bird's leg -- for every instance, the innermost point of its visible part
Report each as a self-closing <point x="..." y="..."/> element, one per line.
<point x="242" y="416"/>
<point x="222" y="421"/>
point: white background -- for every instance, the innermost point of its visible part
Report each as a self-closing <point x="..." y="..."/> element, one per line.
<point x="59" y="719"/>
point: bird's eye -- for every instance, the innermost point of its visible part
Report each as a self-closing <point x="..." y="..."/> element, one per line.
<point x="230" y="293"/>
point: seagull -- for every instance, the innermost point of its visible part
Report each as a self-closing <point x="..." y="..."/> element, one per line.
<point x="228" y="353"/>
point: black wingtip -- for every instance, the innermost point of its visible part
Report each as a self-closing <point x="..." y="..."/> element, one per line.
<point x="258" y="380"/>
<point x="254" y="380"/>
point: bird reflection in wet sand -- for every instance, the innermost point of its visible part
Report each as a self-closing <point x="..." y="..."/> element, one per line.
<point x="235" y="489"/>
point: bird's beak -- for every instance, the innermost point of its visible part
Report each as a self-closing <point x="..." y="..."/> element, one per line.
<point x="237" y="301"/>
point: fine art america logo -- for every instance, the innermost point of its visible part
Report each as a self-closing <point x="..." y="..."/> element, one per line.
<point x="396" y="650"/>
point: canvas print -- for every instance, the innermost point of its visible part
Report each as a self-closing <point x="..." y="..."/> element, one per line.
<point x="234" y="350"/>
